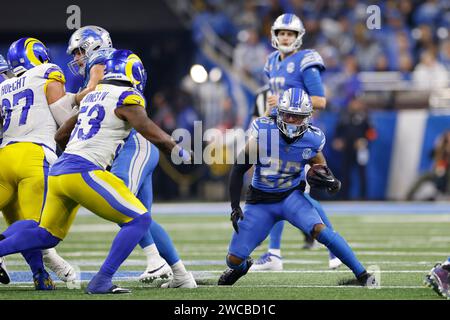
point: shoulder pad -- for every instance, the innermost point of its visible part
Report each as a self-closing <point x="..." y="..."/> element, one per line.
<point x="131" y="97"/>
<point x="317" y="137"/>
<point x="311" y="58"/>
<point x="54" y="73"/>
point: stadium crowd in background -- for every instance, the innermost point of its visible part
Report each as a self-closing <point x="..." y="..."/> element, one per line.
<point x="413" y="41"/>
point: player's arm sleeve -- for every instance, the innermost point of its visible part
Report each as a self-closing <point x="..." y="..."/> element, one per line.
<point x="313" y="81"/>
<point x="237" y="180"/>
<point x="322" y="142"/>
<point x="62" y="109"/>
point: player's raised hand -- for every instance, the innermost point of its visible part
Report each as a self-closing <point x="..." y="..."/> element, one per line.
<point x="272" y="101"/>
<point x="236" y="215"/>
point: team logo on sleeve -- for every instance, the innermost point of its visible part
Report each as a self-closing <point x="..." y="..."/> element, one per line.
<point x="307" y="153"/>
<point x="290" y="67"/>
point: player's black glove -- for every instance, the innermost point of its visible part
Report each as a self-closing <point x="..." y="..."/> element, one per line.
<point x="320" y="176"/>
<point x="236" y="214"/>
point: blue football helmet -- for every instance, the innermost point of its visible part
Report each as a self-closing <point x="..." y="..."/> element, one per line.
<point x="124" y="65"/>
<point x="294" y="112"/>
<point x="287" y="21"/>
<point x="88" y="40"/>
<point x="27" y="53"/>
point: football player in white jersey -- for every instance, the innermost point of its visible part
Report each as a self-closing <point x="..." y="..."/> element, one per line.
<point x="79" y="176"/>
<point x="31" y="101"/>
<point x="134" y="164"/>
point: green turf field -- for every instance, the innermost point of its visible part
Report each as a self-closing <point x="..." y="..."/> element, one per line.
<point x="404" y="247"/>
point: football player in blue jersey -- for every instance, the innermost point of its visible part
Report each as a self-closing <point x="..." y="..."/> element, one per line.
<point x="290" y="67"/>
<point x="282" y="146"/>
<point x="134" y="163"/>
<point x="439" y="279"/>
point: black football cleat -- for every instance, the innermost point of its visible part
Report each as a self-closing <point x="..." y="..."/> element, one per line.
<point x="4" y="276"/>
<point x="230" y="276"/>
<point x="101" y="284"/>
<point x="365" y="279"/>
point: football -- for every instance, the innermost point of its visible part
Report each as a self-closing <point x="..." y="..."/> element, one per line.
<point x="317" y="169"/>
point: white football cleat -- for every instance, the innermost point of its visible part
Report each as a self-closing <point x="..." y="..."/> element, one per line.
<point x="63" y="270"/>
<point x="334" y="263"/>
<point x="268" y="262"/>
<point x="157" y="268"/>
<point x="185" y="281"/>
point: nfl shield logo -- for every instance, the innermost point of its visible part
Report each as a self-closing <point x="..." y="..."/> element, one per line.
<point x="306" y="153"/>
<point x="290" y="67"/>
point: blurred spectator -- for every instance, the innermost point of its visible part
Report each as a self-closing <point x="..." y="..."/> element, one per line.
<point x="406" y="65"/>
<point x="163" y="114"/>
<point x="220" y="23"/>
<point x="366" y="50"/>
<point x="250" y="55"/>
<point x="352" y="137"/>
<point x="185" y="112"/>
<point x="427" y="13"/>
<point x="429" y="73"/>
<point x="381" y="63"/>
<point x="269" y="15"/>
<point x="212" y="99"/>
<point x="425" y="40"/>
<point x="347" y="84"/>
<point x="435" y="184"/>
<point x="248" y="17"/>
<point x="444" y="54"/>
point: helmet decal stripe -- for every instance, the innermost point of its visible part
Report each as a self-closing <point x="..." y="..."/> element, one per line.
<point x="287" y="18"/>
<point x="29" y="47"/>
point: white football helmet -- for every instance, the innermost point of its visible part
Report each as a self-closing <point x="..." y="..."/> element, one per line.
<point x="295" y="104"/>
<point x="287" y="21"/>
<point x="90" y="39"/>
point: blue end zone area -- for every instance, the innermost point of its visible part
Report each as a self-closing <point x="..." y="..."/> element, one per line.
<point x="330" y="207"/>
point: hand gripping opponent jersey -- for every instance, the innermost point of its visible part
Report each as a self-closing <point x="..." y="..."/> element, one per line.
<point x="288" y="73"/>
<point x="98" y="57"/>
<point x="280" y="164"/>
<point x="99" y="133"/>
<point x="24" y="107"/>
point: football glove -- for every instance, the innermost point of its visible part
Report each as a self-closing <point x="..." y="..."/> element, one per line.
<point x="236" y="215"/>
<point x="322" y="177"/>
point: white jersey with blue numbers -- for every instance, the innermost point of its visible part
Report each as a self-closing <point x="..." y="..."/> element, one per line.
<point x="25" y="111"/>
<point x="280" y="166"/>
<point x="99" y="133"/>
<point x="287" y="73"/>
